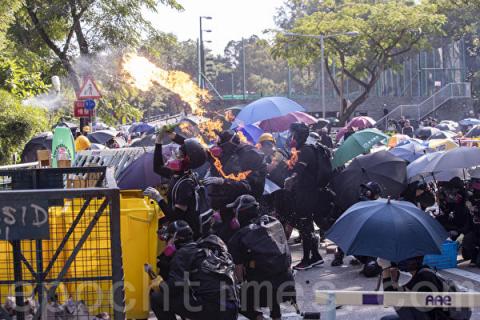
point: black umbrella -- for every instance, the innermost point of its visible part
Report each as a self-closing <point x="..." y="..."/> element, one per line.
<point x="382" y="167"/>
<point x="426" y="132"/>
<point x="474" y="132"/>
<point x="146" y="141"/>
<point x="101" y="136"/>
<point x="42" y="141"/>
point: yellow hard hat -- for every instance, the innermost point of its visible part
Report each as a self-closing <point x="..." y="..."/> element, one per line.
<point x="86" y="129"/>
<point x="266" y="137"/>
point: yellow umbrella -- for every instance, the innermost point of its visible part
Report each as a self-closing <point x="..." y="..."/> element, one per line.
<point x="396" y="139"/>
<point x="442" y="144"/>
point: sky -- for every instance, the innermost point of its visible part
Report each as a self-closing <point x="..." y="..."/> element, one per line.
<point x="232" y="19"/>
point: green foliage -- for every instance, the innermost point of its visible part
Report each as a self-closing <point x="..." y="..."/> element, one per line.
<point x="18" y="124"/>
<point x="17" y="79"/>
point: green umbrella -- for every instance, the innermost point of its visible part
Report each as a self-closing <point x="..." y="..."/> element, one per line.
<point x="356" y="144"/>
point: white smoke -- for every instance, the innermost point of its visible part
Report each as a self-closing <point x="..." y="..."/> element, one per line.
<point x="51" y="100"/>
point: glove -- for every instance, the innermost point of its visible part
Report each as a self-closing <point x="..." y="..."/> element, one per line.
<point x="153" y="193"/>
<point x="165" y="131"/>
<point x="384" y="264"/>
<point x="213" y="181"/>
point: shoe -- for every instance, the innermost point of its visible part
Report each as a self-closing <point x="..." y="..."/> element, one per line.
<point x="316" y="261"/>
<point x="303" y="265"/>
<point x="355" y="262"/>
<point x="297" y="240"/>
<point x="337" y="262"/>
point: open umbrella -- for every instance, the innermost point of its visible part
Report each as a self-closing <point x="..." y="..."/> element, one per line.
<point x="469" y="122"/>
<point x="146" y="141"/>
<point x="139" y="174"/>
<point x="266" y="108"/>
<point x="442" y="135"/>
<point x="341" y="133"/>
<point x="416" y="167"/>
<point x="251" y="132"/>
<point x="280" y="124"/>
<point x="445" y="127"/>
<point x="101" y="136"/>
<point x="442" y="176"/>
<point x="361" y="122"/>
<point x="474" y="132"/>
<point x="141" y="127"/>
<point x="394" y="140"/>
<point x="42" y="141"/>
<point x="392" y="230"/>
<point x="425" y="132"/>
<point x="381" y="167"/>
<point x="409" y="152"/>
<point x="442" y="144"/>
<point x="358" y="143"/>
<point x="459" y="158"/>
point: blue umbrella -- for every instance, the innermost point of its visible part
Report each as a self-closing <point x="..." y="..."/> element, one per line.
<point x="251" y="132"/>
<point x="469" y="122"/>
<point x="141" y="127"/>
<point x="392" y="230"/>
<point x="264" y="109"/>
<point x="139" y="174"/>
<point x="409" y="151"/>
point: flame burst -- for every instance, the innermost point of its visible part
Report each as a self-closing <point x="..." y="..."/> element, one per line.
<point x="210" y="128"/>
<point x="293" y="158"/>
<point x="236" y="177"/>
<point x="144" y="75"/>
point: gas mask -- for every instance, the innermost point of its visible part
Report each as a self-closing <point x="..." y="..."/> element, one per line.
<point x="170" y="249"/>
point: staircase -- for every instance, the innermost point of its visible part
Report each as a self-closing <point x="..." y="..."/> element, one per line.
<point x="420" y="111"/>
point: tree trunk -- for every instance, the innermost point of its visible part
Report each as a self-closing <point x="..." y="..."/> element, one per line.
<point x="348" y="110"/>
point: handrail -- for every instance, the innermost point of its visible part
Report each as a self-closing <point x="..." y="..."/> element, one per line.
<point x="432" y="103"/>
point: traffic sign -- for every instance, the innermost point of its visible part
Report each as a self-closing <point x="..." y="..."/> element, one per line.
<point x="80" y="111"/>
<point x="89" y="104"/>
<point x="89" y="90"/>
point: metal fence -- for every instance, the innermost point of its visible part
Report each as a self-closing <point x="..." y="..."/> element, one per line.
<point x="76" y="271"/>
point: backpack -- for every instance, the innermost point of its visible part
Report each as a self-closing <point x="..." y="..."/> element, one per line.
<point x="203" y="210"/>
<point x="324" y="164"/>
<point x="268" y="251"/>
<point x="450" y="313"/>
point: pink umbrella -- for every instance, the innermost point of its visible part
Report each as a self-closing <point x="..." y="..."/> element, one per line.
<point x="282" y="123"/>
<point x="361" y="123"/>
<point x="341" y="133"/>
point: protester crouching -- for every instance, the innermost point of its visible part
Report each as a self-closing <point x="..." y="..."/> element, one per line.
<point x="181" y="201"/>
<point x="240" y="170"/>
<point x="198" y="278"/>
<point x="262" y="257"/>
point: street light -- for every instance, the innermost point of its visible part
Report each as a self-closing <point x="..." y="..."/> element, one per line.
<point x="201" y="53"/>
<point x="322" y="57"/>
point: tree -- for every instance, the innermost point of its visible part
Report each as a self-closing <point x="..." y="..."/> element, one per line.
<point x="7" y="16"/>
<point x="18" y="124"/>
<point x="16" y="78"/>
<point x="387" y="31"/>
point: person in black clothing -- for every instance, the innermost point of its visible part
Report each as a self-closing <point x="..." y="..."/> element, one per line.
<point x="407" y="129"/>
<point x="325" y="138"/>
<point x="186" y="291"/>
<point x="243" y="171"/>
<point x="262" y="257"/>
<point x="180" y="204"/>
<point x="471" y="241"/>
<point x="304" y="184"/>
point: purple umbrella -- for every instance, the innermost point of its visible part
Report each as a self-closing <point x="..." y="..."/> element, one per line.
<point x="282" y="123"/>
<point x="251" y="132"/>
<point x="361" y="123"/>
<point x="139" y="174"/>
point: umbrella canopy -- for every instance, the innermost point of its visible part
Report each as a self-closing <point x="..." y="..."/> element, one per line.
<point x="141" y="127"/>
<point x="341" y="132"/>
<point x="459" y="158"/>
<point x="264" y="109"/>
<point x="469" y="122"/>
<point x="381" y="167"/>
<point x="146" y="141"/>
<point x="42" y="141"/>
<point x="474" y="132"/>
<point x="251" y="132"/>
<point x="362" y="122"/>
<point x="443" y="176"/>
<point x="416" y="168"/>
<point x="139" y="174"/>
<point x="442" y="144"/>
<point x="409" y="152"/>
<point x="396" y="139"/>
<point x="358" y="143"/>
<point x="425" y="132"/>
<point x="445" y="127"/>
<point x="442" y="135"/>
<point x="392" y="230"/>
<point x="101" y="136"/>
<point x="280" y="124"/>
<point x="96" y="146"/>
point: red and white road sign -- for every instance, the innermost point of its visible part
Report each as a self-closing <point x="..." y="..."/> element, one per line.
<point x="80" y="111"/>
<point x="89" y="90"/>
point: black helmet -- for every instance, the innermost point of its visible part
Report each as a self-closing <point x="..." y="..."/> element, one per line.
<point x="228" y="136"/>
<point x="181" y="230"/>
<point x="195" y="152"/>
<point x="243" y="202"/>
<point x="371" y="269"/>
<point x="299" y="131"/>
<point x="374" y="188"/>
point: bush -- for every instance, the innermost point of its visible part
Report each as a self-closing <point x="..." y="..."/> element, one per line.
<point x="18" y="124"/>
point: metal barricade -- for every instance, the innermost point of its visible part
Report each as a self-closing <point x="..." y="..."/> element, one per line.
<point x="75" y="271"/>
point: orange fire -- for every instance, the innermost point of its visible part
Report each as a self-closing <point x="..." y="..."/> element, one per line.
<point x="242" y="137"/>
<point x="236" y="177"/>
<point x="229" y="116"/>
<point x="186" y="128"/>
<point x="209" y="128"/>
<point x="144" y="74"/>
<point x="293" y="158"/>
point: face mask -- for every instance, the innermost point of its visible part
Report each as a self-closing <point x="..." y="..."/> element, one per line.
<point x="292" y="143"/>
<point x="175" y="165"/>
<point x="169" y="250"/>
<point x="217" y="217"/>
<point x="234" y="223"/>
<point x="216" y="151"/>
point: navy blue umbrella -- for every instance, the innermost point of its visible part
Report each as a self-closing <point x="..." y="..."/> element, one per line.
<point x="264" y="109"/>
<point x="409" y="151"/>
<point x="139" y="174"/>
<point x="141" y="127"/>
<point x="392" y="230"/>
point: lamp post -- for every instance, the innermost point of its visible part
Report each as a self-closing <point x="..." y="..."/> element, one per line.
<point x="201" y="52"/>
<point x="56" y="84"/>
<point x="322" y="38"/>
